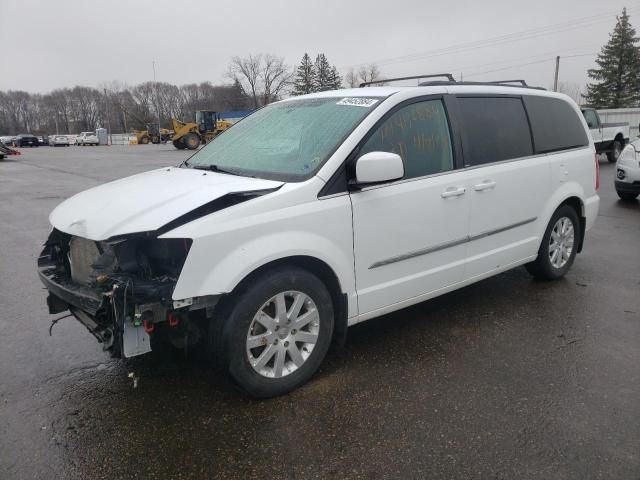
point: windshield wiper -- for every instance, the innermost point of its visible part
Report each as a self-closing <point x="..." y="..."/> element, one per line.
<point x="217" y="169"/>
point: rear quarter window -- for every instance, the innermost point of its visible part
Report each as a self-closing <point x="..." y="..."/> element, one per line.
<point x="555" y="124"/>
<point x="494" y="129"/>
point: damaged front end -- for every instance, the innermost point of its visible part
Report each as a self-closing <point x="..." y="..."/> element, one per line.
<point x="120" y="289"/>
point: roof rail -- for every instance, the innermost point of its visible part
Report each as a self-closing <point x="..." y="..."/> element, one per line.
<point x="495" y="84"/>
<point x="521" y="82"/>
<point x="415" y="77"/>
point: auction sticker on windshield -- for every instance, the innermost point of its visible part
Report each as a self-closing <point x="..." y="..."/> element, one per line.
<point x="358" y="102"/>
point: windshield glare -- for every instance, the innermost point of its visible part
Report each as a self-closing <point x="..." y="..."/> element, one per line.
<point x="286" y="141"/>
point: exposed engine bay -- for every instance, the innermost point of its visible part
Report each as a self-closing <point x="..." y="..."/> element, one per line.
<point x="121" y="289"/>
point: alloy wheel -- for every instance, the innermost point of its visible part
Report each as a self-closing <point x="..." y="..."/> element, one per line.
<point x="561" y="242"/>
<point x="282" y="334"/>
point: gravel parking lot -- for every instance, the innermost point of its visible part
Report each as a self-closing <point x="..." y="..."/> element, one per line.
<point x="508" y="378"/>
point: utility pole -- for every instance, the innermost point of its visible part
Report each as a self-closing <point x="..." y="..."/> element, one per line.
<point x="106" y="105"/>
<point x="555" y="81"/>
<point x="153" y="64"/>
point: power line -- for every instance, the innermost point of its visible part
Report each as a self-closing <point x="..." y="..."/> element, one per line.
<point x="550" y="59"/>
<point x="530" y="63"/>
<point x="501" y="39"/>
<point x="548" y="54"/>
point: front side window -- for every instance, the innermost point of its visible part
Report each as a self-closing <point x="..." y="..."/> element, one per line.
<point x="591" y="118"/>
<point x="494" y="129"/>
<point x="419" y="133"/>
<point x="287" y="141"/>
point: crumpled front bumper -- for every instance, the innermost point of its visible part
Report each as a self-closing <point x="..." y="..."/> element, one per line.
<point x="106" y="311"/>
<point x="83" y="298"/>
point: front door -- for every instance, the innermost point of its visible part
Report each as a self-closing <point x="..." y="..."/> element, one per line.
<point x="410" y="235"/>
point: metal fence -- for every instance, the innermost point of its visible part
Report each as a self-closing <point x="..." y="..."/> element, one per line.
<point x="122" y="138"/>
<point x="628" y="115"/>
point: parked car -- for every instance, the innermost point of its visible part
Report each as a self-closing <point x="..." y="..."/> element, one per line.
<point x="609" y="138"/>
<point x="8" y="140"/>
<point x="43" y="140"/>
<point x="87" y="138"/>
<point x="25" y="139"/>
<point x="59" y="141"/>
<point x="319" y="212"/>
<point x="627" y="180"/>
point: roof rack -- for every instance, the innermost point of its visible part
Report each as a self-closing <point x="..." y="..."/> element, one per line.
<point x="521" y="82"/>
<point x="415" y="77"/>
<point x="451" y="81"/>
<point x="503" y="83"/>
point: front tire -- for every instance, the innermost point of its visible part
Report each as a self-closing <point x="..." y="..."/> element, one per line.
<point x="559" y="245"/>
<point x="277" y="332"/>
<point x="191" y="141"/>
<point x="627" y="196"/>
<point x="178" y="144"/>
<point x="614" y="154"/>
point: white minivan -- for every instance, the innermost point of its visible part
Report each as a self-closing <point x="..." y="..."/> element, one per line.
<point x="321" y="211"/>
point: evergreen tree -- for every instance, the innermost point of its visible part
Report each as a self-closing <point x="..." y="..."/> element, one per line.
<point x="303" y="82"/>
<point x="321" y="74"/>
<point x="617" y="80"/>
<point x="335" y="80"/>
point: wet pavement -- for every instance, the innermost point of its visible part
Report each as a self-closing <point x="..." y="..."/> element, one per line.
<point x="508" y="378"/>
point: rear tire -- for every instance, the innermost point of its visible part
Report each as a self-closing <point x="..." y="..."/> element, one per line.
<point x="627" y="196"/>
<point x="558" y="247"/>
<point x="191" y="141"/>
<point x="287" y="315"/>
<point x="616" y="149"/>
<point x="144" y="140"/>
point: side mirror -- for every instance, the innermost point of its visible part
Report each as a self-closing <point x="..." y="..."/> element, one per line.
<point x="590" y="124"/>
<point x="378" y="167"/>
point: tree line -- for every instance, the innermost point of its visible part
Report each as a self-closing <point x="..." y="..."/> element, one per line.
<point x="124" y="108"/>
<point x="252" y="81"/>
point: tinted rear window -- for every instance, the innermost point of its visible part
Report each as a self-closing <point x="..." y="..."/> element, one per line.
<point x="555" y="124"/>
<point x="494" y="129"/>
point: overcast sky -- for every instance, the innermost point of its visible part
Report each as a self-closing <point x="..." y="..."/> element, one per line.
<point x="50" y="44"/>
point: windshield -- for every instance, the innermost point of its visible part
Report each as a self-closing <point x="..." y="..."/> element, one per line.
<point x="286" y="141"/>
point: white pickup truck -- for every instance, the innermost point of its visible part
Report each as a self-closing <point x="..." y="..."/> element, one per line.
<point x="609" y="138"/>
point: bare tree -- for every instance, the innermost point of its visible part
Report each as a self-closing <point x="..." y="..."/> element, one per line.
<point x="351" y="79"/>
<point x="366" y="73"/>
<point x="572" y="89"/>
<point x="264" y="77"/>
<point x="369" y="73"/>
<point x="247" y="72"/>
<point x="276" y="77"/>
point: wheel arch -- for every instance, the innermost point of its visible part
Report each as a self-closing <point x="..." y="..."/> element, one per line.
<point x="578" y="205"/>
<point x="315" y="266"/>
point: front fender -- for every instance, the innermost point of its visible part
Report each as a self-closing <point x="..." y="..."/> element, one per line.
<point x="228" y="248"/>
<point x="248" y="257"/>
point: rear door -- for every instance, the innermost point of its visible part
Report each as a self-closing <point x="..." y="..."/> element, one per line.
<point x="508" y="185"/>
<point x="410" y="235"/>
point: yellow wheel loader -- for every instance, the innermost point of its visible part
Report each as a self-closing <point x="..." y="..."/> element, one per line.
<point x="190" y="135"/>
<point x="153" y="135"/>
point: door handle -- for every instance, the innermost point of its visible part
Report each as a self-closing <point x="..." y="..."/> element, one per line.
<point x="486" y="185"/>
<point x="453" y="192"/>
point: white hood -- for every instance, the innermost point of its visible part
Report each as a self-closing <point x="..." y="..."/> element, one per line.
<point x="146" y="202"/>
